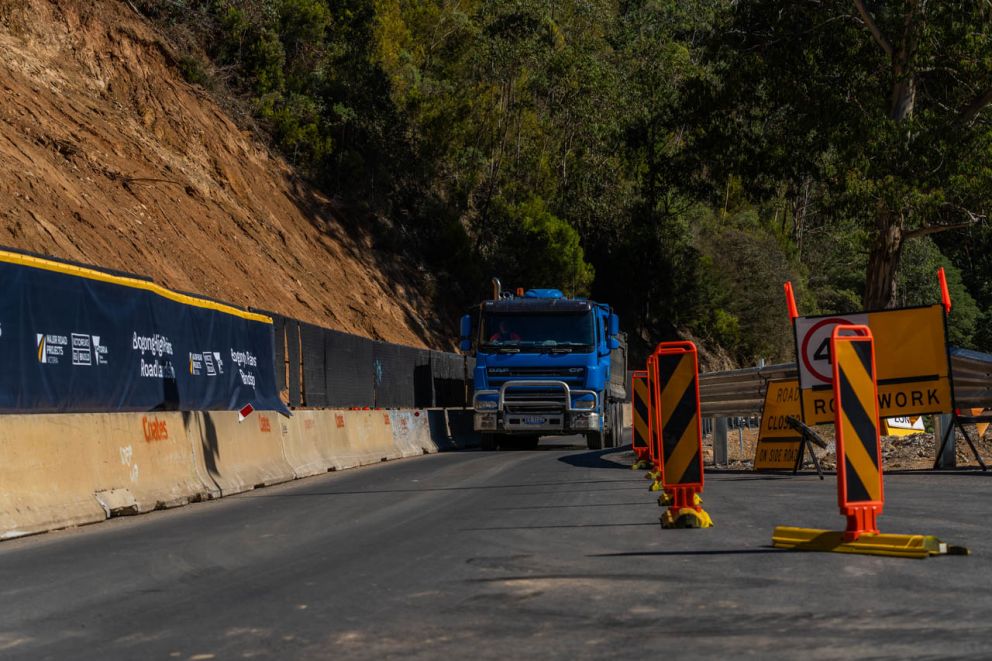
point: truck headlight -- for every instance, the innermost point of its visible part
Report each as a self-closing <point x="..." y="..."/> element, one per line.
<point x="486" y="405"/>
<point x="485" y="421"/>
<point x="585" y="421"/>
<point x="584" y="404"/>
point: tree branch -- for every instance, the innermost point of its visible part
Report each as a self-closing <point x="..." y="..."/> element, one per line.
<point x="870" y="23"/>
<point x="934" y="229"/>
<point x="980" y="103"/>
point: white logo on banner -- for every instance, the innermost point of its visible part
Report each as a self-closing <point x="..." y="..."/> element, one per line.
<point x="82" y="352"/>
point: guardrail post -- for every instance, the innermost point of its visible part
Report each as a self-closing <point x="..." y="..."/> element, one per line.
<point x="943" y="428"/>
<point x="720" y="442"/>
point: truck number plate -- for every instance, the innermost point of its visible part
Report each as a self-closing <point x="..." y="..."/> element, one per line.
<point x="534" y="420"/>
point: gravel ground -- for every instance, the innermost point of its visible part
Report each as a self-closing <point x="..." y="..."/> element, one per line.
<point x="916" y="452"/>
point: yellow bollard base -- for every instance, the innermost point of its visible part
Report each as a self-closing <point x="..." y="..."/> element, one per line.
<point x="652" y="475"/>
<point x="643" y="464"/>
<point x="896" y="546"/>
<point x="666" y="499"/>
<point x="686" y="518"/>
<point x="655" y="486"/>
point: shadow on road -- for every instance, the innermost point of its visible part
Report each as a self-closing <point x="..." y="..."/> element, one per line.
<point x="579" y="525"/>
<point x="310" y="494"/>
<point x="639" y="554"/>
<point x="593" y="459"/>
<point x="555" y="507"/>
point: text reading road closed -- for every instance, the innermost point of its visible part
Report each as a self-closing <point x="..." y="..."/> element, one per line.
<point x="778" y="442"/>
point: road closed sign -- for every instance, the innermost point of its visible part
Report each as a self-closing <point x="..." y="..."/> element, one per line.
<point x="911" y="361"/>
<point x="778" y="442"/>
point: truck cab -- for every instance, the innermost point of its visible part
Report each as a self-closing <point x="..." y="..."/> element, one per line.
<point x="546" y="365"/>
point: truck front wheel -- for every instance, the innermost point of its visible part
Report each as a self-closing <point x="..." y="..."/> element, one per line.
<point x="488" y="442"/>
<point x="594" y="440"/>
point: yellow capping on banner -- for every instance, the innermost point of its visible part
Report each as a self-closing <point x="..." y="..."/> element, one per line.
<point x="911" y="360"/>
<point x="134" y="283"/>
<point x="778" y="443"/>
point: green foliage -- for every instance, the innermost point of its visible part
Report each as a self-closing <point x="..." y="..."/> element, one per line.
<point x="919" y="286"/>
<point x="746" y="266"/>
<point x="679" y="160"/>
<point x="542" y="250"/>
<point x="193" y="71"/>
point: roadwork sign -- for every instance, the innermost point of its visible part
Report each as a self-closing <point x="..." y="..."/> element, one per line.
<point x="904" y="426"/>
<point x="911" y="359"/>
<point x="778" y="443"/>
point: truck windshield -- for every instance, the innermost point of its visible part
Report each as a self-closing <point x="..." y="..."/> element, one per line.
<point x="555" y="332"/>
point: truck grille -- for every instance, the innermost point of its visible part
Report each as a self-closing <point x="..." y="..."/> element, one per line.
<point x="534" y="400"/>
<point x="573" y="376"/>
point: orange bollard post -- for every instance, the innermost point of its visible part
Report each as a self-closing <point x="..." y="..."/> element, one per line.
<point x="654" y="452"/>
<point x="679" y="433"/>
<point x="860" y="493"/>
<point x="640" y="410"/>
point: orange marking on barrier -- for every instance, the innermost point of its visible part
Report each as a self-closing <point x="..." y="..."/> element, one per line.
<point x="154" y="429"/>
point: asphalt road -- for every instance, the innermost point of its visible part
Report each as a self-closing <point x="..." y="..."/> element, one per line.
<point x="549" y="554"/>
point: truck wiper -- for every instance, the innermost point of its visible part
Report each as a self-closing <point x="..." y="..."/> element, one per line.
<point x="508" y="349"/>
<point x="561" y="349"/>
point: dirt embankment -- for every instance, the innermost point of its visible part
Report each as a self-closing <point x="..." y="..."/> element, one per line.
<point x="108" y="157"/>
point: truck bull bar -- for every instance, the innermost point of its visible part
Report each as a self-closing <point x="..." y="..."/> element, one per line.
<point x="566" y="406"/>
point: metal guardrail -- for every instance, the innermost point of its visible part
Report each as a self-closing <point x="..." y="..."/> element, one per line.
<point x="742" y="392"/>
<point x="739" y="392"/>
<point x="972" y="373"/>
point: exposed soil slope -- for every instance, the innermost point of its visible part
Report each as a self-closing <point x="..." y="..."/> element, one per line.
<point x="108" y="157"/>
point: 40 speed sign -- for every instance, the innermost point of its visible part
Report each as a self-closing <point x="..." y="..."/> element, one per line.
<point x="911" y="362"/>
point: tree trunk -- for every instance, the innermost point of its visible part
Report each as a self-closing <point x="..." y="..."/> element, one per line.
<point x="903" y="96"/>
<point x="883" y="263"/>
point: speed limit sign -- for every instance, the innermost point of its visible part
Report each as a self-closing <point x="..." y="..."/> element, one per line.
<point x="813" y="337"/>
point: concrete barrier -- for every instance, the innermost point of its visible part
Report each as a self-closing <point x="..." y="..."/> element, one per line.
<point x="308" y="443"/>
<point x="412" y="433"/>
<point x="318" y="441"/>
<point x="239" y="456"/>
<point x="460" y="428"/>
<point x="437" y="423"/>
<point x="65" y="470"/>
<point x="367" y="438"/>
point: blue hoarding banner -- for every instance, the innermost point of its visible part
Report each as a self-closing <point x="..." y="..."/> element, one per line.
<point x="74" y="339"/>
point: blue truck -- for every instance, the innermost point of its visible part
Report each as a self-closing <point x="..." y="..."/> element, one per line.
<point x="546" y="365"/>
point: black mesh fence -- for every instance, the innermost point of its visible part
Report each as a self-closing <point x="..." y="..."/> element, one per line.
<point x="323" y="368"/>
<point x="423" y="382"/>
<point x="448" y="376"/>
<point x="314" y="366"/>
<point x="348" y="370"/>
<point x="394" y="368"/>
<point x="295" y="360"/>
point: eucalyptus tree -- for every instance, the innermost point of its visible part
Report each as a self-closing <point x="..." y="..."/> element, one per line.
<point x="882" y="107"/>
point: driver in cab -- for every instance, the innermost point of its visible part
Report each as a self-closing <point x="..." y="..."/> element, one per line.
<point x="504" y="334"/>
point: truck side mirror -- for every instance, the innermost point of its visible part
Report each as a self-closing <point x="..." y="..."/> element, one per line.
<point x="466" y="333"/>
<point x="614" y="325"/>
